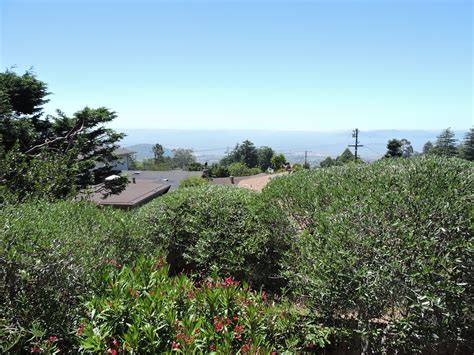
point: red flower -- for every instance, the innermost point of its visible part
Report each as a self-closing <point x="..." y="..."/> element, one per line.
<point x="112" y="351"/>
<point x="114" y="342"/>
<point x="52" y="339"/>
<point x="228" y="321"/>
<point x="80" y="330"/>
<point x="218" y="326"/>
<point x="35" y="349"/>
<point x="245" y="349"/>
<point x="238" y="336"/>
<point x="238" y="328"/>
<point x="264" y="296"/>
<point x="229" y="281"/>
<point x="174" y="345"/>
<point x="212" y="347"/>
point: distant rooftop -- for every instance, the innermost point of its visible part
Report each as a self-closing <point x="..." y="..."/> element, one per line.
<point x="168" y="177"/>
<point x="134" y="195"/>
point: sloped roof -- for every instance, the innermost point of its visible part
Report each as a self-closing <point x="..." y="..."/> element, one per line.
<point x="135" y="194"/>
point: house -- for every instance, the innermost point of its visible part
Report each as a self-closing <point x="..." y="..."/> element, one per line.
<point x="125" y="158"/>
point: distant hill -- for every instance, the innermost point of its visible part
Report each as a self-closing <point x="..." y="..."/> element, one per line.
<point x="145" y="151"/>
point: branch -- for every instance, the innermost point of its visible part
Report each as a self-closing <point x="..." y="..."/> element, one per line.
<point x="78" y="128"/>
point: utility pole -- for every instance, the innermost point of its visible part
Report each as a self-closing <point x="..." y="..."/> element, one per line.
<point x="355" y="134"/>
<point x="305" y="157"/>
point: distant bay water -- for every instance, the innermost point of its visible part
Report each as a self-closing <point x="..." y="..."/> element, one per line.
<point x="211" y="145"/>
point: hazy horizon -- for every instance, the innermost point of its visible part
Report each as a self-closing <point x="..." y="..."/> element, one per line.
<point x="211" y="144"/>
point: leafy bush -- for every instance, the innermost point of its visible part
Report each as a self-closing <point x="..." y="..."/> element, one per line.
<point x="50" y="254"/>
<point x="240" y="169"/>
<point x="191" y="181"/>
<point x="143" y="310"/>
<point x="387" y="246"/>
<point x="225" y="227"/>
<point x="217" y="170"/>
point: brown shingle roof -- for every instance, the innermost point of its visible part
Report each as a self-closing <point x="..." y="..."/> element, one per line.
<point x="135" y="194"/>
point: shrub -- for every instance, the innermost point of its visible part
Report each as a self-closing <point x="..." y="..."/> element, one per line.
<point x="50" y="254"/>
<point x="220" y="226"/>
<point x="142" y="310"/>
<point x="386" y="246"/>
<point x="240" y="169"/>
<point x="217" y="170"/>
<point x="191" y="181"/>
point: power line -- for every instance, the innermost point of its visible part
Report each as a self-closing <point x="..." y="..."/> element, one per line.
<point x="373" y="150"/>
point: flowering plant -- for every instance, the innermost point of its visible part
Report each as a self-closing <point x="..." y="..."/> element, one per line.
<point x="142" y="309"/>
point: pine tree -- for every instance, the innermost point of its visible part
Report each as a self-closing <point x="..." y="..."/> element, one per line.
<point x="467" y="148"/>
<point x="446" y="143"/>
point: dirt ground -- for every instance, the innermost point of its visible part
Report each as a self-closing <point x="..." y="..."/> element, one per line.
<point x="257" y="183"/>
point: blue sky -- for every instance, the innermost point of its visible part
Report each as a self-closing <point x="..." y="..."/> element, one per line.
<point x="286" y="65"/>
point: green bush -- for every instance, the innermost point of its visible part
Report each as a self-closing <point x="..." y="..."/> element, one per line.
<point x="240" y="169"/>
<point x="217" y="170"/>
<point x="142" y="310"/>
<point x="191" y="181"/>
<point x="50" y="254"/>
<point x="220" y="226"/>
<point x="387" y="246"/>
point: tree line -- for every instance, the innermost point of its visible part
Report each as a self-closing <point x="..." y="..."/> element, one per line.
<point x="243" y="160"/>
<point x="445" y="145"/>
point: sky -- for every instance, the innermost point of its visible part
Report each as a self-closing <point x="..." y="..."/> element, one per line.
<point x="250" y="64"/>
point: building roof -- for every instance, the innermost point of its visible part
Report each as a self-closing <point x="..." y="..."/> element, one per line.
<point x="135" y="194"/>
<point x="169" y="177"/>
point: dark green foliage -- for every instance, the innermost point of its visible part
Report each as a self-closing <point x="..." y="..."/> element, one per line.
<point x="240" y="169"/>
<point x="278" y="160"/>
<point x="467" y="147"/>
<point x="345" y="157"/>
<point x="182" y="158"/>
<point x="46" y="175"/>
<point x="195" y="167"/>
<point x="328" y="162"/>
<point x="265" y="155"/>
<point x="50" y="254"/>
<point x="142" y="310"/>
<point x="77" y="142"/>
<point x="158" y="152"/>
<point x="446" y="144"/>
<point x="192" y="181"/>
<point x="217" y="170"/>
<point x="394" y="149"/>
<point x="22" y="94"/>
<point x="244" y="153"/>
<point x="223" y="227"/>
<point x="428" y="148"/>
<point x="388" y="245"/>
